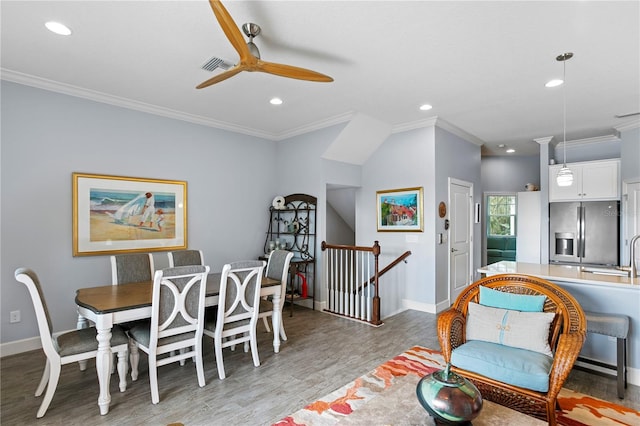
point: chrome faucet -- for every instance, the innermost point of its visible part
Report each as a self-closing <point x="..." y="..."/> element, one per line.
<point x="632" y="256"/>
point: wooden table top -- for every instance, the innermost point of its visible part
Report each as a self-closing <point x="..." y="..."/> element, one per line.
<point x="112" y="298"/>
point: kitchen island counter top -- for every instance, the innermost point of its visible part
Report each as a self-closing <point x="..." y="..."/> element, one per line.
<point x="567" y="273"/>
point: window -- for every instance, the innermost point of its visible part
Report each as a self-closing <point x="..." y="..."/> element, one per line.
<point x="501" y="215"/>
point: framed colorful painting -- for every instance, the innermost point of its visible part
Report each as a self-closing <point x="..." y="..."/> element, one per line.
<point x="117" y="214"/>
<point x="400" y="210"/>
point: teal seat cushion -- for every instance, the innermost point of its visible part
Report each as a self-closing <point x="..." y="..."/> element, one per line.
<point x="514" y="302"/>
<point x="514" y="366"/>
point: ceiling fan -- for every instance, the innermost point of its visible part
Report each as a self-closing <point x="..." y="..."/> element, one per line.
<point x="249" y="54"/>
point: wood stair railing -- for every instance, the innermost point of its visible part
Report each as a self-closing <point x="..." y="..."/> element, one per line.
<point x="350" y="291"/>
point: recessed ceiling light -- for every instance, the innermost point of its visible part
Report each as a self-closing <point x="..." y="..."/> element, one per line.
<point x="58" y="28"/>
<point x="554" y="83"/>
<point x="510" y="151"/>
<point x="425" y="107"/>
<point x="275" y="101"/>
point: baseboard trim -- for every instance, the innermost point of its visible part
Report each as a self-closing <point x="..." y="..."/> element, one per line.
<point x="20" y="346"/>
<point x="429" y="308"/>
<point x="418" y="306"/>
<point x="633" y="374"/>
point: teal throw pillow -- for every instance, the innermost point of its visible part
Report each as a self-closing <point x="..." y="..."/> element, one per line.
<point x="514" y="302"/>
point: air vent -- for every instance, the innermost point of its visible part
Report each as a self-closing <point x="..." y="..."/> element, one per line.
<point x="214" y="63"/>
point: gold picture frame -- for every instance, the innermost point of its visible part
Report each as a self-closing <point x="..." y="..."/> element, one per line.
<point x="119" y="214"/>
<point x="400" y="210"/>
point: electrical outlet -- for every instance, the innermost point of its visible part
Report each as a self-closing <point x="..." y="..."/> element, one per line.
<point x="14" y="316"/>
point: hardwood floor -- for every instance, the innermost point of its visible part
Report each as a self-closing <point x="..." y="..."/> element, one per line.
<point x="323" y="352"/>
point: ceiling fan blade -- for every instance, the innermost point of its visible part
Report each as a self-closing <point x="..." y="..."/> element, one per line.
<point x="230" y="29"/>
<point x="221" y="77"/>
<point x="291" y="72"/>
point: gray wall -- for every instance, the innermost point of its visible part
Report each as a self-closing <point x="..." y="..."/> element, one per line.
<point x="47" y="136"/>
<point x="404" y="160"/>
<point x="509" y="174"/>
<point x="630" y="155"/>
<point x="459" y="159"/>
<point x="338" y="231"/>
<point x="600" y="150"/>
<point x="418" y="158"/>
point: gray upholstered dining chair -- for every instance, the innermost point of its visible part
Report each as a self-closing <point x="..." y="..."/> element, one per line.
<point x="238" y="304"/>
<point x="278" y="269"/>
<point x="126" y="268"/>
<point x="177" y="321"/>
<point x="131" y="268"/>
<point x="72" y="346"/>
<point x="185" y="257"/>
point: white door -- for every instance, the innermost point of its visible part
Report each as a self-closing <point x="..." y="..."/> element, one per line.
<point x="631" y="219"/>
<point x="460" y="236"/>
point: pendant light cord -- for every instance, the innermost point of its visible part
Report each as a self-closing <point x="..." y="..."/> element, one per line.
<point x="564" y="111"/>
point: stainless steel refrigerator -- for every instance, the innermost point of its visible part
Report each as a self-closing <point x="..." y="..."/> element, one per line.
<point x="585" y="233"/>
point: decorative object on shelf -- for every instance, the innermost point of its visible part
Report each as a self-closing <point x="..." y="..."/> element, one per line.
<point x="449" y="398"/>
<point x="118" y="214"/>
<point x="400" y="209"/>
<point x="531" y="187"/>
<point x="278" y="202"/>
<point x="442" y="209"/>
<point x="565" y="175"/>
<point x="272" y="247"/>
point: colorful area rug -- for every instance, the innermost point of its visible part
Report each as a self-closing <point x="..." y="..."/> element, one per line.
<point x="577" y="409"/>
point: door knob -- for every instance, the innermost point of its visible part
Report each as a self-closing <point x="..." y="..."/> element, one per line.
<point x="452" y="249"/>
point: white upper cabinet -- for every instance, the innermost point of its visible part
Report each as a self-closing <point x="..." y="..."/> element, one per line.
<point x="592" y="180"/>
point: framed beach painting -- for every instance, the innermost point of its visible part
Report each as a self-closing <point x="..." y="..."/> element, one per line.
<point x="117" y="214"/>
<point x="400" y="210"/>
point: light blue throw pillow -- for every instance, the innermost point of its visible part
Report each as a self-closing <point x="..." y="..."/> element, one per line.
<point x="514" y="302"/>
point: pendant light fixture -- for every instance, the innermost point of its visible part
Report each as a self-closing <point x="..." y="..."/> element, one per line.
<point x="565" y="175"/>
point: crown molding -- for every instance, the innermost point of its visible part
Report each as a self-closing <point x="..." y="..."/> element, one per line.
<point x="592" y="141"/>
<point x="544" y="141"/>
<point x="439" y="122"/>
<point x="79" y="92"/>
<point x="331" y="121"/>
<point x="634" y="124"/>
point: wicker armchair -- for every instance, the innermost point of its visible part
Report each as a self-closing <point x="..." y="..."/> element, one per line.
<point x="566" y="337"/>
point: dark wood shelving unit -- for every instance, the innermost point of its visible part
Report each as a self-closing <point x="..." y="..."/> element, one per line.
<point x="294" y="227"/>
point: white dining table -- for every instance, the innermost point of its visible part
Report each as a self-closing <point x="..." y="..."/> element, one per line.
<point x="113" y="304"/>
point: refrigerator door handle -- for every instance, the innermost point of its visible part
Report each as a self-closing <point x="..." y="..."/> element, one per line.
<point x="581" y="230"/>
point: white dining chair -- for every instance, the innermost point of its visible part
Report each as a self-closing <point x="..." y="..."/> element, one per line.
<point x="72" y="346"/>
<point x="185" y="257"/>
<point x="278" y="269"/>
<point x="238" y="305"/>
<point x="177" y="321"/>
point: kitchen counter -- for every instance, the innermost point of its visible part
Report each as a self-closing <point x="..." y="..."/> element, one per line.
<point x="566" y="273"/>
